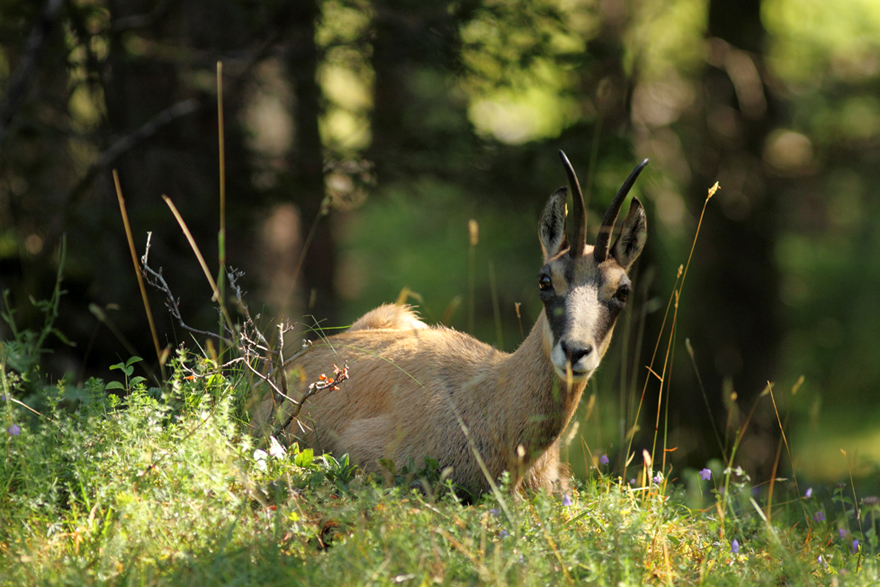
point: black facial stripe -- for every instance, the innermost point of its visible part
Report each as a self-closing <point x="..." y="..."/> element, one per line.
<point x="554" y="309"/>
<point x="569" y="273"/>
<point x="607" y="318"/>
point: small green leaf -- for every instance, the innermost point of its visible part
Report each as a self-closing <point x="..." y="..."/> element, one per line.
<point x="132" y="361"/>
<point x="305" y="458"/>
<point x="114" y="385"/>
<point x="136" y="380"/>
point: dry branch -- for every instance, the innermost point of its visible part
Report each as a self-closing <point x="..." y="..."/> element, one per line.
<point x="255" y="353"/>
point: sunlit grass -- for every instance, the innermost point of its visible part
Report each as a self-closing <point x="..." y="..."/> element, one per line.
<point x="168" y="488"/>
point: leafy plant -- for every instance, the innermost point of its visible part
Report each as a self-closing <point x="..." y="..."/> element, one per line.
<point x="127" y="369"/>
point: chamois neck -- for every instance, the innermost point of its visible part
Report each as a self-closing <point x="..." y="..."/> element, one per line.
<point x="537" y="404"/>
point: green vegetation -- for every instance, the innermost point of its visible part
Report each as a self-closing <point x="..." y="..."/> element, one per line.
<point x="166" y="486"/>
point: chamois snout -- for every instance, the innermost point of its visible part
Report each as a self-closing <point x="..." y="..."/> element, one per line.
<point x="574" y="352"/>
<point x="575" y="359"/>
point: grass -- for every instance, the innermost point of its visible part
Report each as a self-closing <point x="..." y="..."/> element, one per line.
<point x="167" y="487"/>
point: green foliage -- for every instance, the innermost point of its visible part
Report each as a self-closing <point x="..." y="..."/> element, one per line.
<point x="167" y="487"/>
<point x="127" y="369"/>
<point x="22" y="352"/>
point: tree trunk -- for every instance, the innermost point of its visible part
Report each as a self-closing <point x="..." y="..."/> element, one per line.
<point x="735" y="331"/>
<point x="318" y="274"/>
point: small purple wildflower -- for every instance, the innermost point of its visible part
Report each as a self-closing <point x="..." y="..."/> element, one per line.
<point x="632" y="481"/>
<point x="604" y="459"/>
<point x="819" y="517"/>
<point x="734" y="546"/>
<point x="855" y="545"/>
<point x="494" y="512"/>
<point x="657" y="479"/>
<point x="14" y="430"/>
<point x="842" y="532"/>
<point x="706" y="474"/>
<point x="809" y="493"/>
<point x="821" y="561"/>
<point x="566" y="500"/>
<point x="504" y="533"/>
<point x="2" y="397"/>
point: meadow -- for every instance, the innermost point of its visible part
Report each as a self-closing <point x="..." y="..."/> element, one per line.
<point x="122" y="483"/>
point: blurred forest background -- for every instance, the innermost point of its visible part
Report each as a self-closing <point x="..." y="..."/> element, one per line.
<point x="368" y="133"/>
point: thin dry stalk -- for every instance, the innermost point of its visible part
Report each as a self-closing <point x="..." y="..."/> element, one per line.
<point x="192" y="243"/>
<point x="221" y="141"/>
<point x="676" y="296"/>
<point x="138" y="273"/>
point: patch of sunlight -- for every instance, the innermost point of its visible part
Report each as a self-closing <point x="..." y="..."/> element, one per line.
<point x="808" y="37"/>
<point x="517" y="76"/>
<point x="517" y="117"/>
<point x="342" y="21"/>
<point x="345" y="75"/>
<point x="345" y="87"/>
<point x="267" y="111"/>
<point x="86" y="107"/>
<point x="667" y="36"/>
<point x="345" y="130"/>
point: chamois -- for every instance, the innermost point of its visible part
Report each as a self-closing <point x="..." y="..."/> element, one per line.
<point x="418" y="391"/>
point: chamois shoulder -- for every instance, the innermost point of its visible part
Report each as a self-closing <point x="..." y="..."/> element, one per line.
<point x="389" y="317"/>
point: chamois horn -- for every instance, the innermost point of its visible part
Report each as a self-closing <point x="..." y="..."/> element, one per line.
<point x="600" y="251"/>
<point x="579" y="222"/>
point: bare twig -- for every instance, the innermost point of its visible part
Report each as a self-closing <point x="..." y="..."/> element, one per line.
<point x="157" y="280"/>
<point x="257" y="355"/>
<point x="324" y="382"/>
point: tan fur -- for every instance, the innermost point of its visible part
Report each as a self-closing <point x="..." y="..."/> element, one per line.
<point x="389" y="316"/>
<point x="399" y="404"/>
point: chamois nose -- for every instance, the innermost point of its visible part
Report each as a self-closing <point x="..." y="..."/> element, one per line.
<point x="575" y="352"/>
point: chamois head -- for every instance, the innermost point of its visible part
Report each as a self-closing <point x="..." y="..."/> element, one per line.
<point x="584" y="287"/>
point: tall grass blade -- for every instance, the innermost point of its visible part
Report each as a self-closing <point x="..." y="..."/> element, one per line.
<point x="138" y="273"/>
<point x="221" y="237"/>
<point x="195" y="247"/>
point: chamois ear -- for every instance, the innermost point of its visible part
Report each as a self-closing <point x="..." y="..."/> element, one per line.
<point x="552" y="228"/>
<point x="631" y="241"/>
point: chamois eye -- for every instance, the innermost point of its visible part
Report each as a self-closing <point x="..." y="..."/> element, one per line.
<point x="621" y="293"/>
<point x="545" y="283"/>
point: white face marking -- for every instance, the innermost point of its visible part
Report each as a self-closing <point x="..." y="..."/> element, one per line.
<point x="582" y="311"/>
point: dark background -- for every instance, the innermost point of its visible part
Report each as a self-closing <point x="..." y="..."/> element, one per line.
<point x="381" y="128"/>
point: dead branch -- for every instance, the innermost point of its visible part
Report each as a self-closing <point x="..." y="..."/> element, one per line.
<point x="324" y="382"/>
<point x="157" y="280"/>
<point x="256" y="353"/>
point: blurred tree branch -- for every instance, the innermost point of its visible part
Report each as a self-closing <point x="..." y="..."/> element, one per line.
<point x="24" y="73"/>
